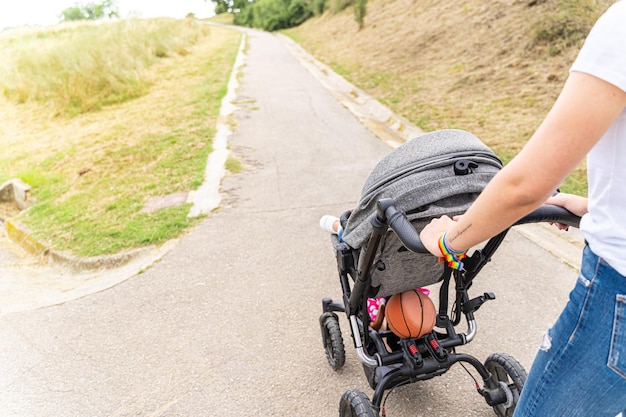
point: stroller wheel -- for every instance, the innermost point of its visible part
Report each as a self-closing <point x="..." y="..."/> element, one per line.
<point x="508" y="373"/>
<point x="333" y="341"/>
<point x="354" y="403"/>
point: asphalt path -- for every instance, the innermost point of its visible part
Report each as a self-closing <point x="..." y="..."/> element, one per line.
<point x="226" y="323"/>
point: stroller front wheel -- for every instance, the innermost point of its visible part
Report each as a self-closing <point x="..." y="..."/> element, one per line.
<point x="507" y="372"/>
<point x="354" y="403"/>
<point x="333" y="341"/>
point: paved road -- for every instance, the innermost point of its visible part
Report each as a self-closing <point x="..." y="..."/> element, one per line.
<point x="226" y="324"/>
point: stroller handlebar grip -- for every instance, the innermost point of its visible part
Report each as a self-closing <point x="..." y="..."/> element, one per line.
<point x="549" y="213"/>
<point x="402" y="227"/>
<point x="400" y="224"/>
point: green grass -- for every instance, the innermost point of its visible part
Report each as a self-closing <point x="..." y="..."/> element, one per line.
<point x="233" y="165"/>
<point x="91" y="174"/>
<point x="567" y="24"/>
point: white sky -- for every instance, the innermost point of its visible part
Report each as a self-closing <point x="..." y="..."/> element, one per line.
<point x="45" y="12"/>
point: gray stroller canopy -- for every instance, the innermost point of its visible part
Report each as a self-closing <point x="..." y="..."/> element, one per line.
<point x="437" y="173"/>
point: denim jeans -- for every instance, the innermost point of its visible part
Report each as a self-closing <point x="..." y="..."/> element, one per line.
<point x="580" y="369"/>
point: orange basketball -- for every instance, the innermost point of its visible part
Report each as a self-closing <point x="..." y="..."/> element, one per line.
<point x="410" y="314"/>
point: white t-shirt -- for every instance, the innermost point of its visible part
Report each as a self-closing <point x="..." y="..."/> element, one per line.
<point x="604" y="56"/>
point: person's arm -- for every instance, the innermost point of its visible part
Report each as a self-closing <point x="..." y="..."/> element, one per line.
<point x="585" y="109"/>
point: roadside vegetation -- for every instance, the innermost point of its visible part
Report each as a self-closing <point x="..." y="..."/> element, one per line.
<point x="100" y="118"/>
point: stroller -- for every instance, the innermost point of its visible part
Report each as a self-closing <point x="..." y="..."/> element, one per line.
<point x="380" y="254"/>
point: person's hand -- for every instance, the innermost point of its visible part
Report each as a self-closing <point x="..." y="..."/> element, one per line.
<point x="432" y="232"/>
<point x="574" y="203"/>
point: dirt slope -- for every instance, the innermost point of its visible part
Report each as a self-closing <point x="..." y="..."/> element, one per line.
<point x="491" y="67"/>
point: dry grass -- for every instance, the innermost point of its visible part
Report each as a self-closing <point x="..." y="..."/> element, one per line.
<point x="79" y="68"/>
<point x="224" y="18"/>
<point x="469" y="64"/>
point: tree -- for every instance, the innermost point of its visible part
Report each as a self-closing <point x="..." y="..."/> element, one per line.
<point x="91" y="11"/>
<point x="272" y="15"/>
<point x="221" y="6"/>
<point x="230" y="6"/>
<point x="106" y="9"/>
<point x="72" y="13"/>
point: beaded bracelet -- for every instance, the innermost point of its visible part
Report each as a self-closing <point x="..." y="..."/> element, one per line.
<point x="452" y="258"/>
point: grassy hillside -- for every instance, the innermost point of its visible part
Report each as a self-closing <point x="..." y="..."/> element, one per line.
<point x="493" y="68"/>
<point x="93" y="165"/>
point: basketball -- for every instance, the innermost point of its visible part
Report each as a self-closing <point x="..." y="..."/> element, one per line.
<point x="410" y="314"/>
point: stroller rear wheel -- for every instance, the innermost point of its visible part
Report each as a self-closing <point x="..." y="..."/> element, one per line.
<point x="354" y="403"/>
<point x="333" y="341"/>
<point x="508" y="373"/>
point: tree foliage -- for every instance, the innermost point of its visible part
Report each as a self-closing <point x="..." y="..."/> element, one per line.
<point x="230" y="6"/>
<point x="90" y="11"/>
<point x="72" y="13"/>
<point x="318" y="7"/>
<point x="274" y="15"/>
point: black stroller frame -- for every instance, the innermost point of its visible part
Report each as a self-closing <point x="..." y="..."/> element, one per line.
<point x="412" y="360"/>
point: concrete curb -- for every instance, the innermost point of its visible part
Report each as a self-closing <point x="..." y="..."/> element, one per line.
<point x="392" y="129"/>
<point x="566" y="246"/>
<point x="207" y="197"/>
<point x="23" y="238"/>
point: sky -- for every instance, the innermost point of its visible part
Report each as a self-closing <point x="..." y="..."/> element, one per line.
<point x="45" y="12"/>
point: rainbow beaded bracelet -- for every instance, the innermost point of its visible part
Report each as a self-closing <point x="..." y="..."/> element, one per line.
<point x="451" y="257"/>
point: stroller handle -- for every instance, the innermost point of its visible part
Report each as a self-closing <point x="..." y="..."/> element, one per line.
<point x="402" y="227"/>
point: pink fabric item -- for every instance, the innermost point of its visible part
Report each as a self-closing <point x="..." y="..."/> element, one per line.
<point x="373" y="306"/>
<point x="424" y="290"/>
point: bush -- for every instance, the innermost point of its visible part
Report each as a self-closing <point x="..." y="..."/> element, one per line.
<point x="273" y="15"/>
<point x="318" y="7"/>
<point x="360" y="9"/>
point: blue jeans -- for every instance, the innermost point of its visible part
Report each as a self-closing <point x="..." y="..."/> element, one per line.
<point x="580" y="369"/>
